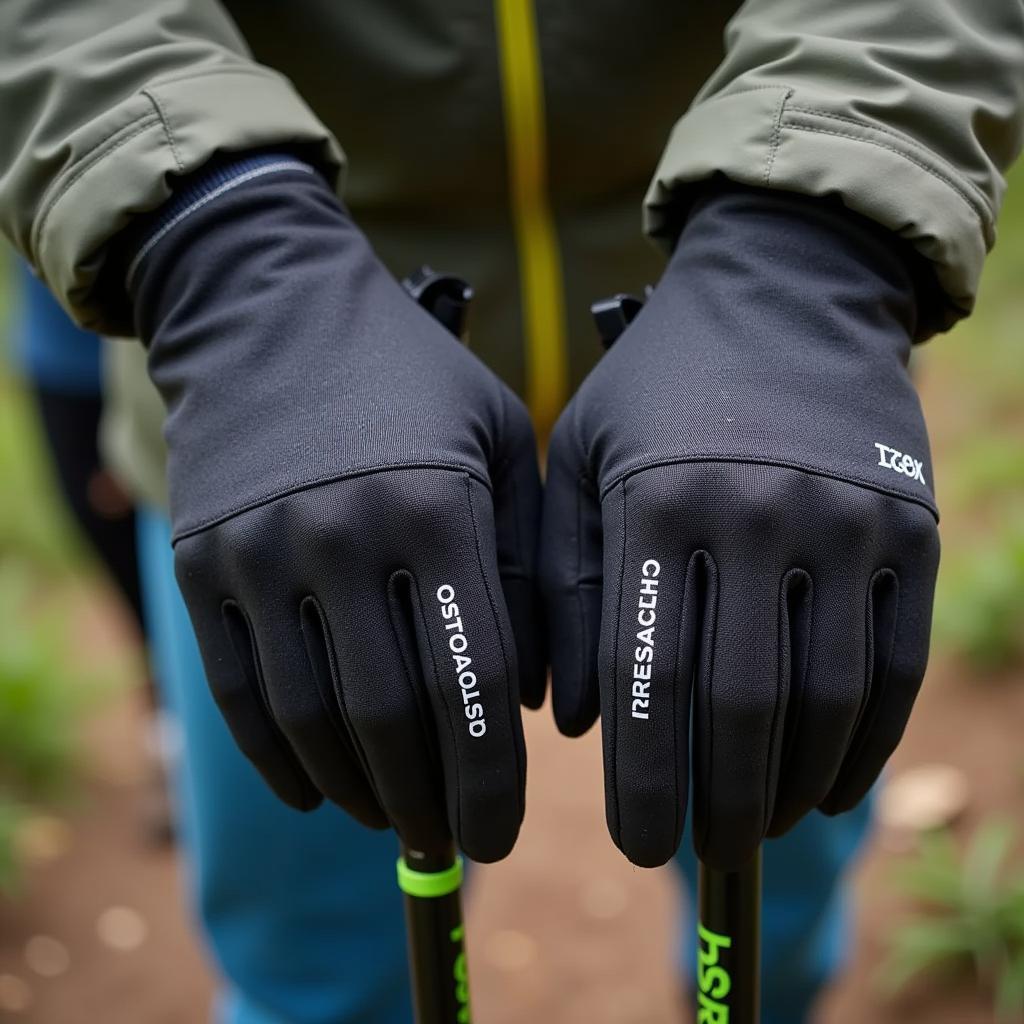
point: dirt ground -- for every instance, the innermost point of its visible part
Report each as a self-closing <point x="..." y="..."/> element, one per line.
<point x="563" y="931"/>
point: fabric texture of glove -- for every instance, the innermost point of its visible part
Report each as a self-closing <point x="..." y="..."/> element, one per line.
<point x="355" y="501"/>
<point x="739" y="524"/>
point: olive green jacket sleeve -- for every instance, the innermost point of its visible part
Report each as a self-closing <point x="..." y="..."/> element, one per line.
<point x="908" y="110"/>
<point x="100" y="102"/>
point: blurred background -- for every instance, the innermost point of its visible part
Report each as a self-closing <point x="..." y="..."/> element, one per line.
<point x="94" y="924"/>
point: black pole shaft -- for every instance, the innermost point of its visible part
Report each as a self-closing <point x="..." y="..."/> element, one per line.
<point x="729" y="945"/>
<point x="435" y="933"/>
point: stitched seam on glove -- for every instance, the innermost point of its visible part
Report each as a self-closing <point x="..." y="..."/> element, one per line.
<point x="858" y="735"/>
<point x="795" y="716"/>
<point x="677" y="803"/>
<point x="849" y="478"/>
<point x="288" y="755"/>
<point x="347" y="736"/>
<point x="509" y="680"/>
<point x="709" y="760"/>
<point x="574" y="590"/>
<point x="306" y="485"/>
<point x="773" y="777"/>
<point x="617" y="618"/>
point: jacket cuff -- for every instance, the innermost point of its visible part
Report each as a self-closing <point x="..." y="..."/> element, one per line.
<point x="171" y="128"/>
<point x="771" y="137"/>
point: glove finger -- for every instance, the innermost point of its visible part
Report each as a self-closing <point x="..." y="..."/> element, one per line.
<point x="381" y="696"/>
<point x="739" y="708"/>
<point x="571" y="573"/>
<point x="739" y="696"/>
<point x="517" y="511"/>
<point x="900" y="613"/>
<point x="426" y="658"/>
<point x="651" y="618"/>
<point x="469" y="660"/>
<point x="298" y="666"/>
<point x="823" y="642"/>
<point x="228" y="649"/>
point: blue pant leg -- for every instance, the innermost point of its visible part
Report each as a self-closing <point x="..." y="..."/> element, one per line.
<point x="301" y="910"/>
<point x="805" y="912"/>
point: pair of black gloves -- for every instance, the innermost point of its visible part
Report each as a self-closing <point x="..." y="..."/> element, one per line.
<point x="736" y="542"/>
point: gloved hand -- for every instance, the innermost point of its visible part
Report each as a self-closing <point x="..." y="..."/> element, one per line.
<point x="738" y="506"/>
<point x="355" y="501"/>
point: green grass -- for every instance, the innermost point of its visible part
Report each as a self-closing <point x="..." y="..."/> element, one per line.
<point x="40" y="697"/>
<point x="43" y="692"/>
<point x="979" y="609"/>
<point x="971" y="920"/>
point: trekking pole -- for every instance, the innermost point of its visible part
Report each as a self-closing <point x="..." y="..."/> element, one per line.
<point x="729" y="902"/>
<point x="729" y="944"/>
<point x="431" y="890"/>
<point x="431" y="883"/>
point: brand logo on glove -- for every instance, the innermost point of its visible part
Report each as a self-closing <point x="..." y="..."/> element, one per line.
<point x="458" y="645"/>
<point x="899" y="462"/>
<point x="643" y="657"/>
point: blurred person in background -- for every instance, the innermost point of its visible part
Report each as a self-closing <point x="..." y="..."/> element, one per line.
<point x="750" y="452"/>
<point x="62" y="366"/>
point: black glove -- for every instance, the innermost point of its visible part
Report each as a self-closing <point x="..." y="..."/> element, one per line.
<point x="355" y="502"/>
<point x="739" y="506"/>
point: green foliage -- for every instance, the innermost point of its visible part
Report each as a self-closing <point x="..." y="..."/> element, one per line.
<point x="38" y="701"/>
<point x="41" y="701"/>
<point x="973" y="919"/>
<point x="33" y="523"/>
<point x="11" y="815"/>
<point x="40" y="696"/>
<point x="979" y="607"/>
<point x="973" y="380"/>
<point x="42" y="691"/>
<point x="989" y="470"/>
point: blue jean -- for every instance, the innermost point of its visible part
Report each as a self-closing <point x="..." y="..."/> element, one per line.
<point x="302" y="911"/>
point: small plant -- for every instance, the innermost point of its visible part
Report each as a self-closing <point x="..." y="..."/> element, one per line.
<point x="973" y="919"/>
<point x="979" y="609"/>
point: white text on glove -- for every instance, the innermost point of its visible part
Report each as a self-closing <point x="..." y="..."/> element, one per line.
<point x="458" y="645"/>
<point x="643" y="657"/>
<point x="890" y="458"/>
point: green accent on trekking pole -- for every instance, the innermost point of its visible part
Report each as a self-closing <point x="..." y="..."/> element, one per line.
<point x="429" y="884"/>
<point x="729" y="944"/>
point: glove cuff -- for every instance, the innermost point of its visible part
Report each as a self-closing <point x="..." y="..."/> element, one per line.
<point x="194" y="192"/>
<point x="818" y="227"/>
